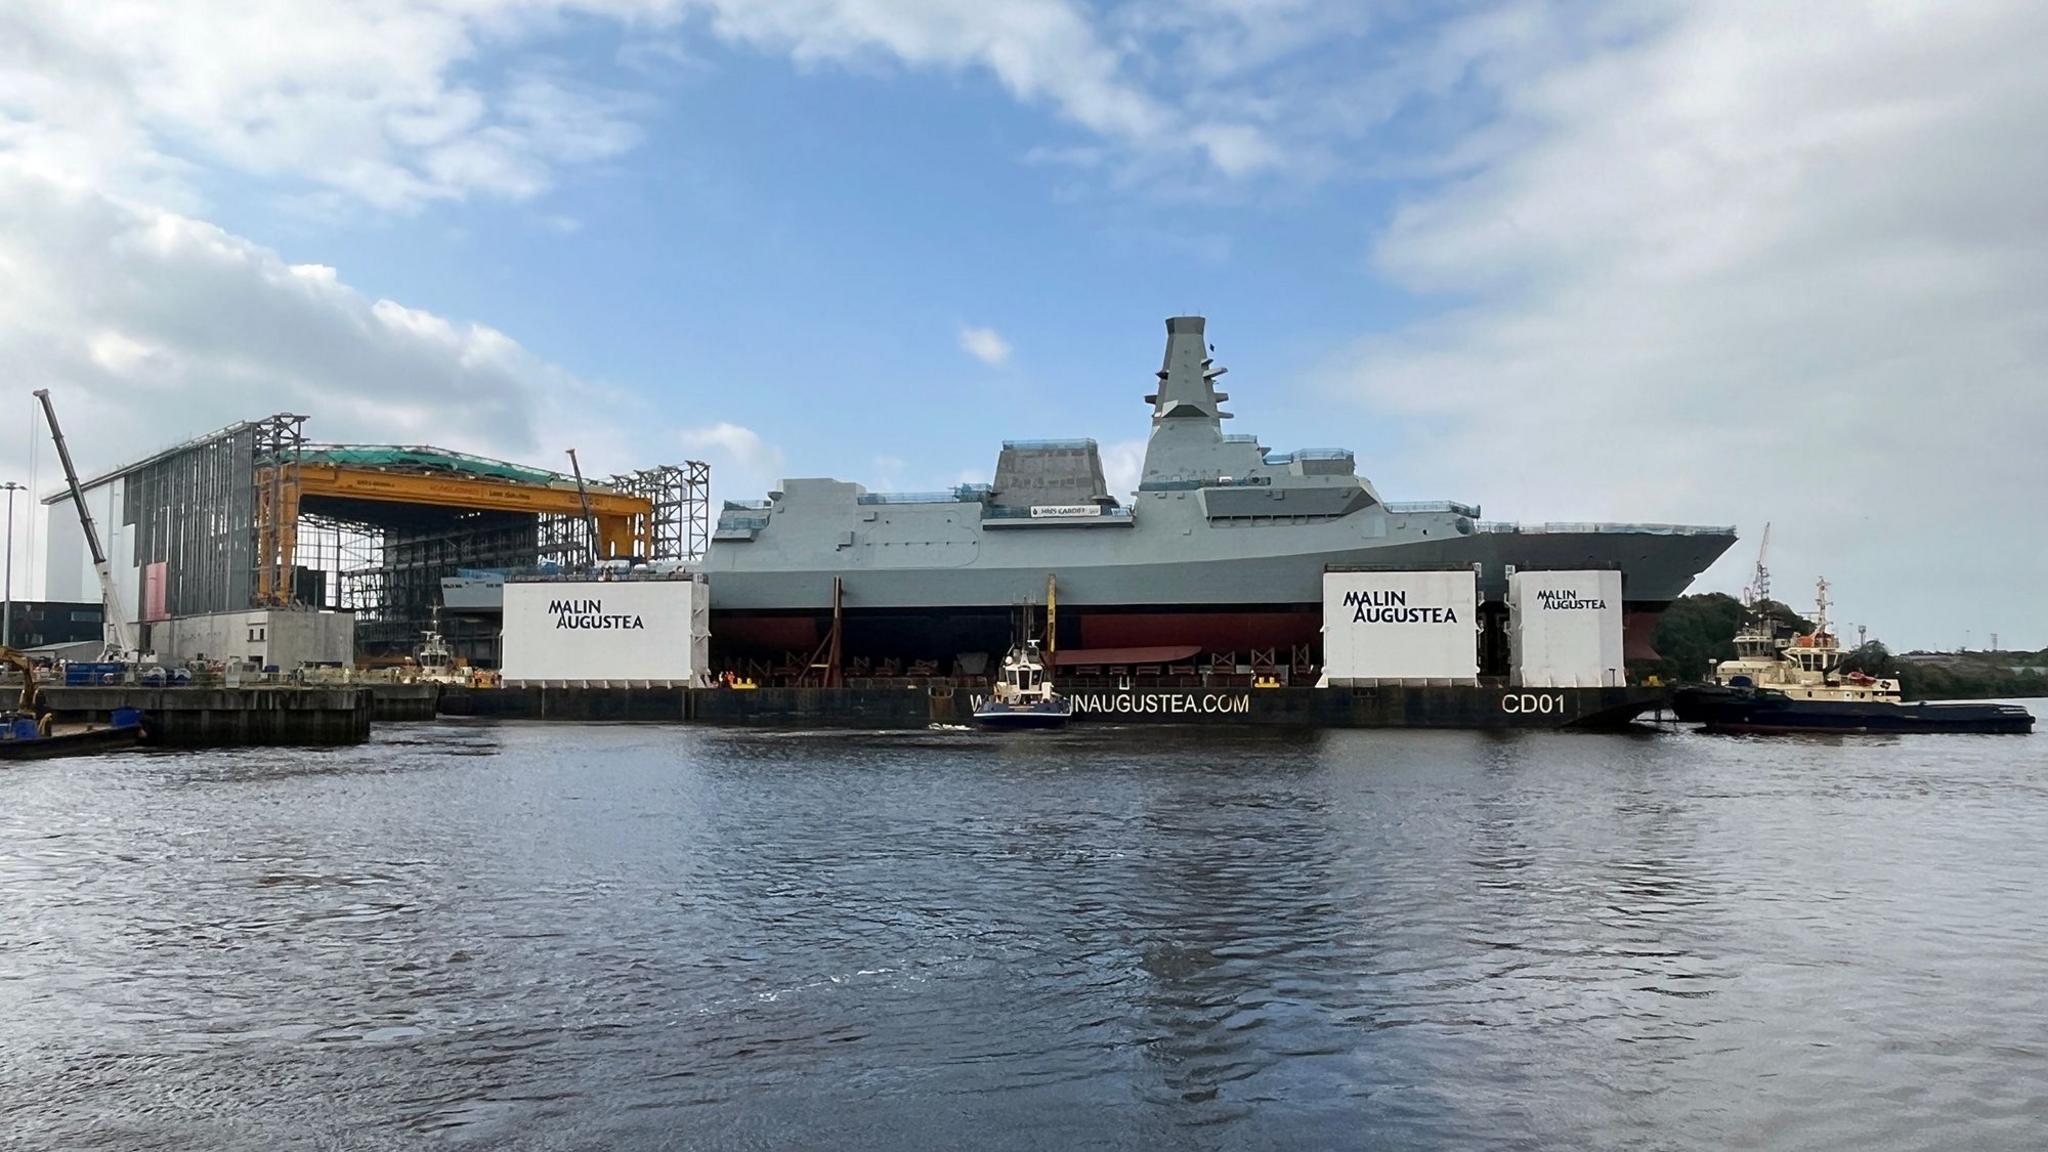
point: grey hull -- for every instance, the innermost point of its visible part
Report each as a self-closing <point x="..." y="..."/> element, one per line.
<point x="1657" y="569"/>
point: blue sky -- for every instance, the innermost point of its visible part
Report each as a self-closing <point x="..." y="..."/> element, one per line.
<point x="1709" y="263"/>
<point x="829" y="234"/>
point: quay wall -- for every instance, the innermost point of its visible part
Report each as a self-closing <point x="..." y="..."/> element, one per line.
<point x="404" y="701"/>
<point x="217" y="717"/>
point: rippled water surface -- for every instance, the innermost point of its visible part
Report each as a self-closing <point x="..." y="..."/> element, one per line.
<point x="519" y="936"/>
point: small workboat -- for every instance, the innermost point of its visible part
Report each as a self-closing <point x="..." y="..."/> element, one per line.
<point x="27" y="733"/>
<point x="1023" y="696"/>
<point x="26" y="738"/>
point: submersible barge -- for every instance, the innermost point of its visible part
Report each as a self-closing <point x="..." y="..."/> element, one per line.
<point x="1240" y="586"/>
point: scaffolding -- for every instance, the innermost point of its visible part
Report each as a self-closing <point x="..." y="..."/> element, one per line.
<point x="280" y="446"/>
<point x="680" y="526"/>
<point x="399" y="596"/>
<point x="191" y="515"/>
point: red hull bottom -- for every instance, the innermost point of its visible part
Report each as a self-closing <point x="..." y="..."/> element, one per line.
<point x="941" y="634"/>
<point x="1209" y="631"/>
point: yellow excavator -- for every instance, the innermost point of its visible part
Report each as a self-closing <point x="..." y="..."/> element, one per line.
<point x="29" y="697"/>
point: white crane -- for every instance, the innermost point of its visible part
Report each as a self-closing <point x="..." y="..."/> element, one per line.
<point x="120" y="642"/>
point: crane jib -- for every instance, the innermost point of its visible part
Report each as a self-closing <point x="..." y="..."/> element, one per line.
<point x="117" y="635"/>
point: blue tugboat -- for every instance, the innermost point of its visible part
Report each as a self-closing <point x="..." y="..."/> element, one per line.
<point x="1023" y="695"/>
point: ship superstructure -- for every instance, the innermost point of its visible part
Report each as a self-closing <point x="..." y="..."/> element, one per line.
<point x="1222" y="548"/>
<point x="1803" y="666"/>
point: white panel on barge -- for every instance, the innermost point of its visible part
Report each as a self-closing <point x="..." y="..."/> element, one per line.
<point x="1400" y="628"/>
<point x="630" y="632"/>
<point x="1565" y="629"/>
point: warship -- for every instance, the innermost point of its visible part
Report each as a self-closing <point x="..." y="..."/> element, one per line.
<point x="1222" y="549"/>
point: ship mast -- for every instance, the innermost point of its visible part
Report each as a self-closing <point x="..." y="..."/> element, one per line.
<point x="1187" y="413"/>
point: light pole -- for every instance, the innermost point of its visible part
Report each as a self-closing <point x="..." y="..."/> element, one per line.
<point x="7" y="613"/>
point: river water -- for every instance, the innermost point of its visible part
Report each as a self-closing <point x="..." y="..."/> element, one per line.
<point x="620" y="937"/>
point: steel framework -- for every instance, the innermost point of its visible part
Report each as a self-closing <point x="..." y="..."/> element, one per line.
<point x="228" y="521"/>
<point x="677" y="528"/>
<point x="193" y="509"/>
<point x="280" y="444"/>
<point x="681" y="499"/>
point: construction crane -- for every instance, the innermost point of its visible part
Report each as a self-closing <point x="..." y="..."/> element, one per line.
<point x="1758" y="589"/>
<point x="120" y="643"/>
<point x="583" y="496"/>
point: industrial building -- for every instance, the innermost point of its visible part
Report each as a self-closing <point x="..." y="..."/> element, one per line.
<point x="37" y="624"/>
<point x="210" y="539"/>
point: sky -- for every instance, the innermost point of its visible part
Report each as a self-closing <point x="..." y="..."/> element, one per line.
<point x="1648" y="260"/>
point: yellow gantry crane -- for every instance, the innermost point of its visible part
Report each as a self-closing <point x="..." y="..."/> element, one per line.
<point x="622" y="524"/>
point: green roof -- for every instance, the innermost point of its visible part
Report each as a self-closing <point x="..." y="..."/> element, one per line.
<point x="417" y="458"/>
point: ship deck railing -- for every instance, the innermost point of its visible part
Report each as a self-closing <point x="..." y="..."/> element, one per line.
<point x="1281" y="459"/>
<point x="655" y="571"/>
<point x="1082" y="444"/>
<point x="1596" y="528"/>
<point x="1192" y="680"/>
<point x="964" y="494"/>
<point x="1198" y="485"/>
<point x="1429" y="507"/>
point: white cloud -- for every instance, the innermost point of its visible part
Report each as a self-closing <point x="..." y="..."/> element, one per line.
<point x="149" y="327"/>
<point x="380" y="102"/>
<point x="743" y="445"/>
<point x="1123" y="465"/>
<point x="986" y="345"/>
<point x="887" y="474"/>
<point x="743" y="465"/>
<point x="1038" y="49"/>
<point x="405" y="103"/>
<point x="1758" y="264"/>
<point x="1054" y="52"/>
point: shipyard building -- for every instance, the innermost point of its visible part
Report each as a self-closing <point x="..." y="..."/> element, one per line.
<point x="254" y="544"/>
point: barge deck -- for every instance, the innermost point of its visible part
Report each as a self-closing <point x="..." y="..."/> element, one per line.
<point x="1460" y="706"/>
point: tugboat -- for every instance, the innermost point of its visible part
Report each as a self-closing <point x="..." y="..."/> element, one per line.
<point x="1795" y="684"/>
<point x="434" y="663"/>
<point x="1023" y="695"/>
